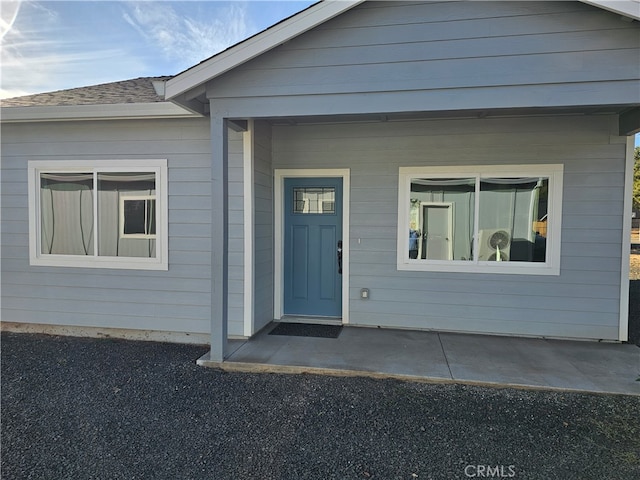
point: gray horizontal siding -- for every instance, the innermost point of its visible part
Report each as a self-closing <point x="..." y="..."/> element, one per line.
<point x="501" y="71"/>
<point x="412" y="12"/>
<point x="401" y="50"/>
<point x="497" y="326"/>
<point x="500" y="53"/>
<point x="174" y="300"/>
<point x="582" y="302"/>
<point x="263" y="226"/>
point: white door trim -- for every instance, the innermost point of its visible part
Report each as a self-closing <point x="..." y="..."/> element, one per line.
<point x="279" y="176"/>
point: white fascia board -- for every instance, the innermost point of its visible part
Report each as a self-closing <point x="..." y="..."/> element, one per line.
<point x="257" y="45"/>
<point x="93" y="112"/>
<point x="626" y="8"/>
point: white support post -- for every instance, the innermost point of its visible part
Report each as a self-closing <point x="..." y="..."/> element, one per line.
<point x="249" y="221"/>
<point x="219" y="237"/>
<point x="626" y="244"/>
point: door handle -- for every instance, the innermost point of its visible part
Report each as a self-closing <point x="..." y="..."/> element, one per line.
<point x="340" y="257"/>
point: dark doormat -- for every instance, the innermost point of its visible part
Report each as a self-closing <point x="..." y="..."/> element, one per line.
<point x="307" y="330"/>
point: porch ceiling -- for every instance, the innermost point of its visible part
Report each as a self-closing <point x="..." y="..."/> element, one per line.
<point x="450" y="114"/>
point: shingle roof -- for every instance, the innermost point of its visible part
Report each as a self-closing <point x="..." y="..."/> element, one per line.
<point x="137" y="90"/>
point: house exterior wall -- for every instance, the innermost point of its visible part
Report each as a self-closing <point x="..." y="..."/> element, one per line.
<point x="431" y="56"/>
<point x="582" y="302"/>
<point x="176" y="300"/>
<point x="424" y="58"/>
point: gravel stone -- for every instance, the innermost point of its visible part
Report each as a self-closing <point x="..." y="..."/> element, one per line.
<point x="78" y="408"/>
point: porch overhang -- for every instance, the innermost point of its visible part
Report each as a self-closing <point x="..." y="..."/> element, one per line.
<point x="628" y="116"/>
<point x="629" y="122"/>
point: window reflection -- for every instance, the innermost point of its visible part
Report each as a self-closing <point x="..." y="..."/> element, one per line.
<point x="126" y="220"/>
<point x="66" y="213"/>
<point x="126" y="214"/>
<point x="319" y="200"/>
<point x="441" y="218"/>
<point x="513" y="219"/>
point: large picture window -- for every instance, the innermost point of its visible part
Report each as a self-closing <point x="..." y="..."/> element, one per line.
<point x="110" y="214"/>
<point x="493" y="219"/>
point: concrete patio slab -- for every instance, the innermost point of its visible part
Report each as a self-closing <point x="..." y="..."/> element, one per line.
<point x="392" y="352"/>
<point x="445" y="357"/>
<point x="531" y="362"/>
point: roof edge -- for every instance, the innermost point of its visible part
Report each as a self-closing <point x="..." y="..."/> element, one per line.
<point x="626" y="8"/>
<point x="117" y="111"/>
<point x="257" y="45"/>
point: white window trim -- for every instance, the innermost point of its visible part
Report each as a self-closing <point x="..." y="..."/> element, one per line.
<point x="158" y="166"/>
<point x="552" y="264"/>
<point x="124" y="198"/>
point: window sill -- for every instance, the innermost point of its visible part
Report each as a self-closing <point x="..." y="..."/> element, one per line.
<point x="504" y="268"/>
<point x="124" y="263"/>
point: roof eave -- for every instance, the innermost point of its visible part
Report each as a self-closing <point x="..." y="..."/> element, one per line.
<point x="626" y="8"/>
<point x="257" y="45"/>
<point x="61" y="113"/>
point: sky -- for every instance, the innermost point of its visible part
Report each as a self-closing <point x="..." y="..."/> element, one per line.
<point x="50" y="45"/>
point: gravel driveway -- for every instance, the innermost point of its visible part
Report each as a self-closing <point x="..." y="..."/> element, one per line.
<point x="77" y="408"/>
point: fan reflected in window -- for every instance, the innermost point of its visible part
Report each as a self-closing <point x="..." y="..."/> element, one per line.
<point x="510" y="212"/>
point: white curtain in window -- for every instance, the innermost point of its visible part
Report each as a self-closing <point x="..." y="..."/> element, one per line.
<point x="66" y="206"/>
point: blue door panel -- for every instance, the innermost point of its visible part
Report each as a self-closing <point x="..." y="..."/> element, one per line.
<point x="328" y="262"/>
<point x="313" y="228"/>
<point x="300" y="263"/>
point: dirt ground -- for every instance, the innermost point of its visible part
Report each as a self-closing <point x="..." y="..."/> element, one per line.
<point x="634" y="270"/>
<point x="634" y="299"/>
<point x="90" y="408"/>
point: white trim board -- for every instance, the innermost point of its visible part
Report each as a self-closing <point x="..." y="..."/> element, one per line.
<point x="279" y="176"/>
<point x="249" y="230"/>
<point x="61" y="113"/>
<point x="626" y="8"/>
<point x="623" y="334"/>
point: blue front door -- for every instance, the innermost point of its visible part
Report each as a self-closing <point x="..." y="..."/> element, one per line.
<point x="312" y="246"/>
